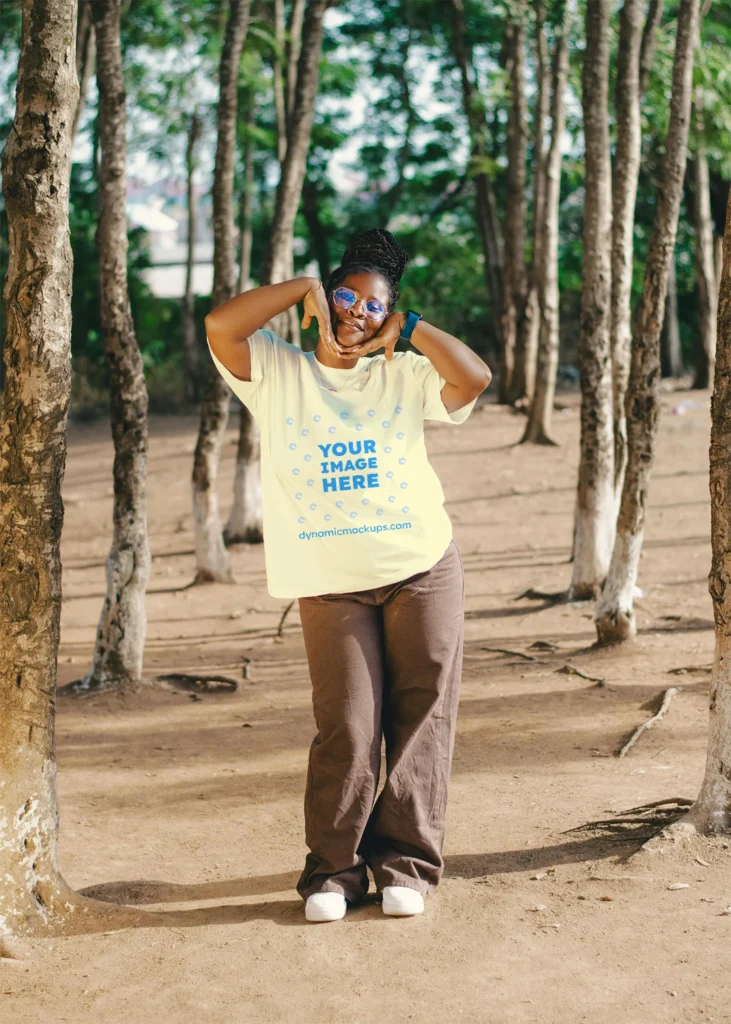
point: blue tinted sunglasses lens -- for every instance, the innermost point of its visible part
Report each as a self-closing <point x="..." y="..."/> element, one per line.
<point x="343" y="297"/>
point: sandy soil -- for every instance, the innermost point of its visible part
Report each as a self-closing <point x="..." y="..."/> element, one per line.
<point x="193" y="807"/>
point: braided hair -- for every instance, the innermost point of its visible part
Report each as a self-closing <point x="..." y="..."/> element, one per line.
<point x="375" y="251"/>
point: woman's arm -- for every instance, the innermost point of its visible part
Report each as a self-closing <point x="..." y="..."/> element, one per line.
<point x="230" y="324"/>
<point x="466" y="374"/>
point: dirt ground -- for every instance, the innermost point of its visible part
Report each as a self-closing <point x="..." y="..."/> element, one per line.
<point x="193" y="807"/>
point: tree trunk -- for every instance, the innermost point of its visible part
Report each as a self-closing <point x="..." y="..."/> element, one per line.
<point x="670" y="358"/>
<point x="624" y="194"/>
<point x="85" y="56"/>
<point x="190" y="343"/>
<point x="293" y="49"/>
<point x="278" y="81"/>
<point x="705" y="273"/>
<point x="649" y="38"/>
<point x="711" y="812"/>
<point x="36" y="164"/>
<point x="595" y="504"/>
<point x="212" y="561"/>
<point x="538" y="429"/>
<point x="615" y="619"/>
<point x="246" y="203"/>
<point x="488" y="224"/>
<point x="278" y="259"/>
<point x="530" y="323"/>
<point x="122" y="627"/>
<point x="515" y="282"/>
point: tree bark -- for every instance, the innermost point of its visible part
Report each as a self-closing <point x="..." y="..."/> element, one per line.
<point x="36" y="164"/>
<point x="246" y="203"/>
<point x="705" y="273"/>
<point x="538" y="429"/>
<point x="670" y="359"/>
<point x="515" y="281"/>
<point x="530" y="323"/>
<point x="625" y="175"/>
<point x="85" y="56"/>
<point x="212" y="561"/>
<point x="488" y="224"/>
<point x="711" y="812"/>
<point x="190" y="343"/>
<point x="649" y="38"/>
<point x="615" y="620"/>
<point x="293" y="48"/>
<point x="278" y="81"/>
<point x="278" y="259"/>
<point x="595" y="504"/>
<point x="122" y="627"/>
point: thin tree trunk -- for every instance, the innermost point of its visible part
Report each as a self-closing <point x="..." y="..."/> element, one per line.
<point x="649" y="39"/>
<point x="85" y="55"/>
<point x="515" y="282"/>
<point x="122" y="627"/>
<point x="278" y="259"/>
<point x="670" y="358"/>
<point x="530" y="322"/>
<point x="293" y="49"/>
<point x="246" y="203"/>
<point x="538" y="429"/>
<point x="32" y="459"/>
<point x="190" y="344"/>
<point x="277" y="69"/>
<point x="615" y="619"/>
<point x="595" y="504"/>
<point x="711" y="812"/>
<point x="704" y="273"/>
<point x="625" y="175"/>
<point x="212" y="561"/>
<point x="488" y="223"/>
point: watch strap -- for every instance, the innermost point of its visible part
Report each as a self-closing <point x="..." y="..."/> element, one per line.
<point x="412" y="319"/>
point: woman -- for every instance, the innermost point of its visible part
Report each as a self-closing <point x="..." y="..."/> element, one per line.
<point x="355" y="528"/>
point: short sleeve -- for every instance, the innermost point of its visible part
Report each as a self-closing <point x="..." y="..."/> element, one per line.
<point x="431" y="384"/>
<point x="252" y="392"/>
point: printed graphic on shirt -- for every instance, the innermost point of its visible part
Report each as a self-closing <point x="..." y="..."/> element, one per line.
<point x="361" y="479"/>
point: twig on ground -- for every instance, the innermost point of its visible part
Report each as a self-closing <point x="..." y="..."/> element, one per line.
<point x="504" y="650"/>
<point x="569" y="670"/>
<point x="199" y="683"/>
<point x="684" y="669"/>
<point x="667" y="697"/>
<point x="556" y="597"/>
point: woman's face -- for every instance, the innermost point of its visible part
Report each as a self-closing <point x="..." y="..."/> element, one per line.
<point x="352" y="326"/>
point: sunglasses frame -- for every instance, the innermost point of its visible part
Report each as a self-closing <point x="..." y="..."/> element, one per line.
<point x="343" y="305"/>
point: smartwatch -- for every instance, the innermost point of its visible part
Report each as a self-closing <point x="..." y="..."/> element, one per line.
<point x="410" y="323"/>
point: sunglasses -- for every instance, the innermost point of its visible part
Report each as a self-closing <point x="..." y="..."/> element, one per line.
<point x="346" y="297"/>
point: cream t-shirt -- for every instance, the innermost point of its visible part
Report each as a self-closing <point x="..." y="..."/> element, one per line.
<point x="350" y="500"/>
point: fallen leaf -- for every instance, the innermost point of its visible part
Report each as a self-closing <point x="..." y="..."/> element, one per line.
<point x="538" y="875"/>
<point x="678" y="885"/>
<point x="539" y="906"/>
<point x="703" y="862"/>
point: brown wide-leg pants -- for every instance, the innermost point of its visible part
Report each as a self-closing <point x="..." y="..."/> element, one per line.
<point x="383" y="662"/>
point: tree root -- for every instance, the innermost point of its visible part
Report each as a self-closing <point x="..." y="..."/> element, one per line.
<point x="665" y="704"/>
<point x="638" y="824"/>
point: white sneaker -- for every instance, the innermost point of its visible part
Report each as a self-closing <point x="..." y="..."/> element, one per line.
<point x="400" y="901"/>
<point x="325" y="906"/>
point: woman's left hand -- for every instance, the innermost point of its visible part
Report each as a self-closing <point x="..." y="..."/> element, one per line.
<point x="386" y="337"/>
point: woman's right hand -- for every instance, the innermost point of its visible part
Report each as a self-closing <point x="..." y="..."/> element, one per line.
<point x="316" y="305"/>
